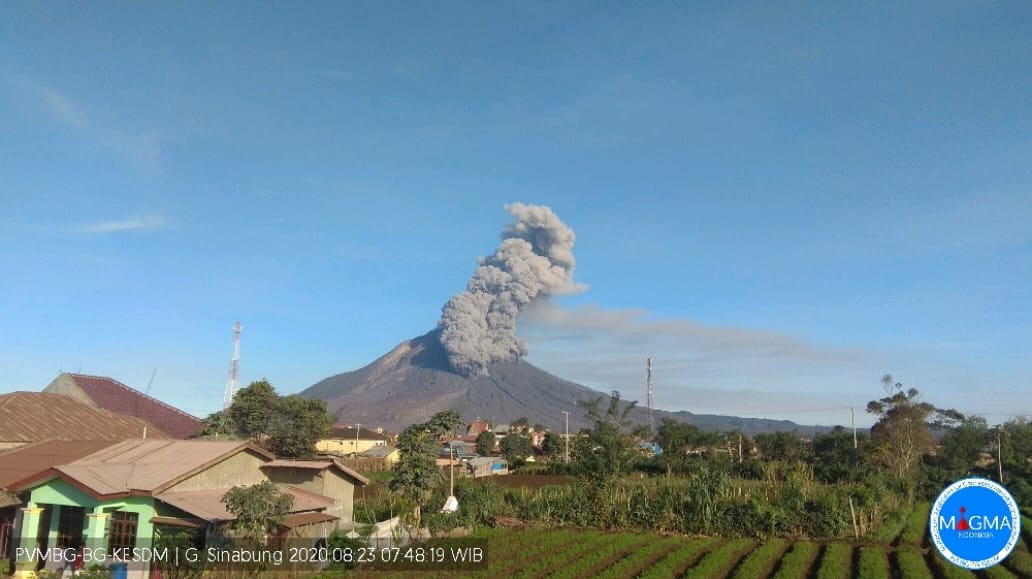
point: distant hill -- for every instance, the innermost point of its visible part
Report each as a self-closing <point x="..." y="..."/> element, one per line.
<point x="414" y="381"/>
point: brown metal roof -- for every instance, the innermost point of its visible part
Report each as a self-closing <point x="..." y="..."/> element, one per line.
<point x="35" y="416"/>
<point x="302" y="519"/>
<point x="24" y="461"/>
<point x="142" y="466"/>
<point x="174" y="522"/>
<point x="208" y="505"/>
<point x="110" y="394"/>
<point x="318" y="465"/>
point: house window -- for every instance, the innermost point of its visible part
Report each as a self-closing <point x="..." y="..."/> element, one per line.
<point x="122" y="530"/>
<point x="69" y="526"/>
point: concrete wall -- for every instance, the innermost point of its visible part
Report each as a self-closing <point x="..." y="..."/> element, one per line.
<point x="328" y="482"/>
<point x="64" y="384"/>
<point x="346" y="445"/>
<point x="240" y="469"/>
<point x="342" y="490"/>
<point x="308" y="479"/>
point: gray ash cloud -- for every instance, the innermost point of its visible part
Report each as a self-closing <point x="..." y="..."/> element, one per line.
<point x="534" y="260"/>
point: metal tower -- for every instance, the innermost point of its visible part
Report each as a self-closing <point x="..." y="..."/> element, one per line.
<point x="233" y="382"/>
<point x="648" y="382"/>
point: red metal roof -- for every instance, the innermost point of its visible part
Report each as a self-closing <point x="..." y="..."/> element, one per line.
<point x="110" y="394"/>
<point x="35" y="416"/>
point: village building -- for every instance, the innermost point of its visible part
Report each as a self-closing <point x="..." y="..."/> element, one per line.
<point x="476" y="427"/>
<point x="345" y="440"/>
<point x="110" y="394"/>
<point x="127" y="494"/>
<point x="388" y="454"/>
<point x="24" y="461"/>
<point x="487" y="466"/>
<point x="27" y="417"/>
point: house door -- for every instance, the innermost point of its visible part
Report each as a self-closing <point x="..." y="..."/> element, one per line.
<point x="6" y="530"/>
<point x="69" y="527"/>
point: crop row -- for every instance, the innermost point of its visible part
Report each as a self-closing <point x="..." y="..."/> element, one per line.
<point x="836" y="561"/>
<point x="595" y="560"/>
<point x="577" y="553"/>
<point x="761" y="560"/>
<point x="796" y="561"/>
<point x="719" y="559"/>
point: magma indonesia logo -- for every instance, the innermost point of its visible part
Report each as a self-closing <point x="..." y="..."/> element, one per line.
<point x="975" y="523"/>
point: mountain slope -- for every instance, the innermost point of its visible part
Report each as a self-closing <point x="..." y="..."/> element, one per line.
<point x="414" y="381"/>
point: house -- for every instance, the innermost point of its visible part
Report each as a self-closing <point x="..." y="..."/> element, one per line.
<point x="27" y="417"/>
<point x="345" y="440"/>
<point x="128" y="493"/>
<point x="329" y="478"/>
<point x="487" y="466"/>
<point x="388" y="454"/>
<point x="110" y="394"/>
<point x="476" y="427"/>
<point x="24" y="461"/>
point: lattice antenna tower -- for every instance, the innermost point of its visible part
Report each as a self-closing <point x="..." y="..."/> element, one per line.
<point x="648" y="383"/>
<point x="233" y="382"/>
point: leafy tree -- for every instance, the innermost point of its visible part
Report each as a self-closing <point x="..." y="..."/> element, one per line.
<point x="516" y="448"/>
<point x="962" y="446"/>
<point x="258" y="509"/>
<point x="519" y="425"/>
<point x="673" y="436"/>
<point x="783" y="446"/>
<point x="416" y="475"/>
<point x="485" y="443"/>
<point x="553" y="445"/>
<point x="836" y="460"/>
<point x="216" y="425"/>
<point x="299" y="423"/>
<point x="444" y="423"/>
<point x="1015" y="437"/>
<point x="607" y="448"/>
<point x="252" y="410"/>
<point x="902" y="434"/>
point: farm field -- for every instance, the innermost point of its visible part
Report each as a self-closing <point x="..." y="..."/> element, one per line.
<point x="589" y="553"/>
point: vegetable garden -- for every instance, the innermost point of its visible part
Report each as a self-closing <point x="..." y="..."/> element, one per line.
<point x="568" y="553"/>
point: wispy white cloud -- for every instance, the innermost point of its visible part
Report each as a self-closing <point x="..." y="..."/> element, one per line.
<point x="57" y="104"/>
<point x="142" y="148"/>
<point x="636" y="325"/>
<point x="699" y="367"/>
<point x="150" y="222"/>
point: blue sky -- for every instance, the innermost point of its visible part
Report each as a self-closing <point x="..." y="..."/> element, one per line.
<point x="780" y="204"/>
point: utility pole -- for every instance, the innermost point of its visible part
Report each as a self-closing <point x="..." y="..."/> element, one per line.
<point x="999" y="453"/>
<point x="358" y="428"/>
<point x="566" y="455"/>
<point x="852" y="415"/>
<point x="648" y="381"/>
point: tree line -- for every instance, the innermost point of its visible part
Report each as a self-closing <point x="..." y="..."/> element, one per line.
<point x="287" y="426"/>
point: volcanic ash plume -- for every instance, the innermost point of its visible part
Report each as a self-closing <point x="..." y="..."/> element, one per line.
<point x="478" y="326"/>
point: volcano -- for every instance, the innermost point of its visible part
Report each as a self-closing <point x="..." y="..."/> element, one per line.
<point x="414" y="381"/>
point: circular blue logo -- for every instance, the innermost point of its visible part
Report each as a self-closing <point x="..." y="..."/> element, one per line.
<point x="975" y="523"/>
